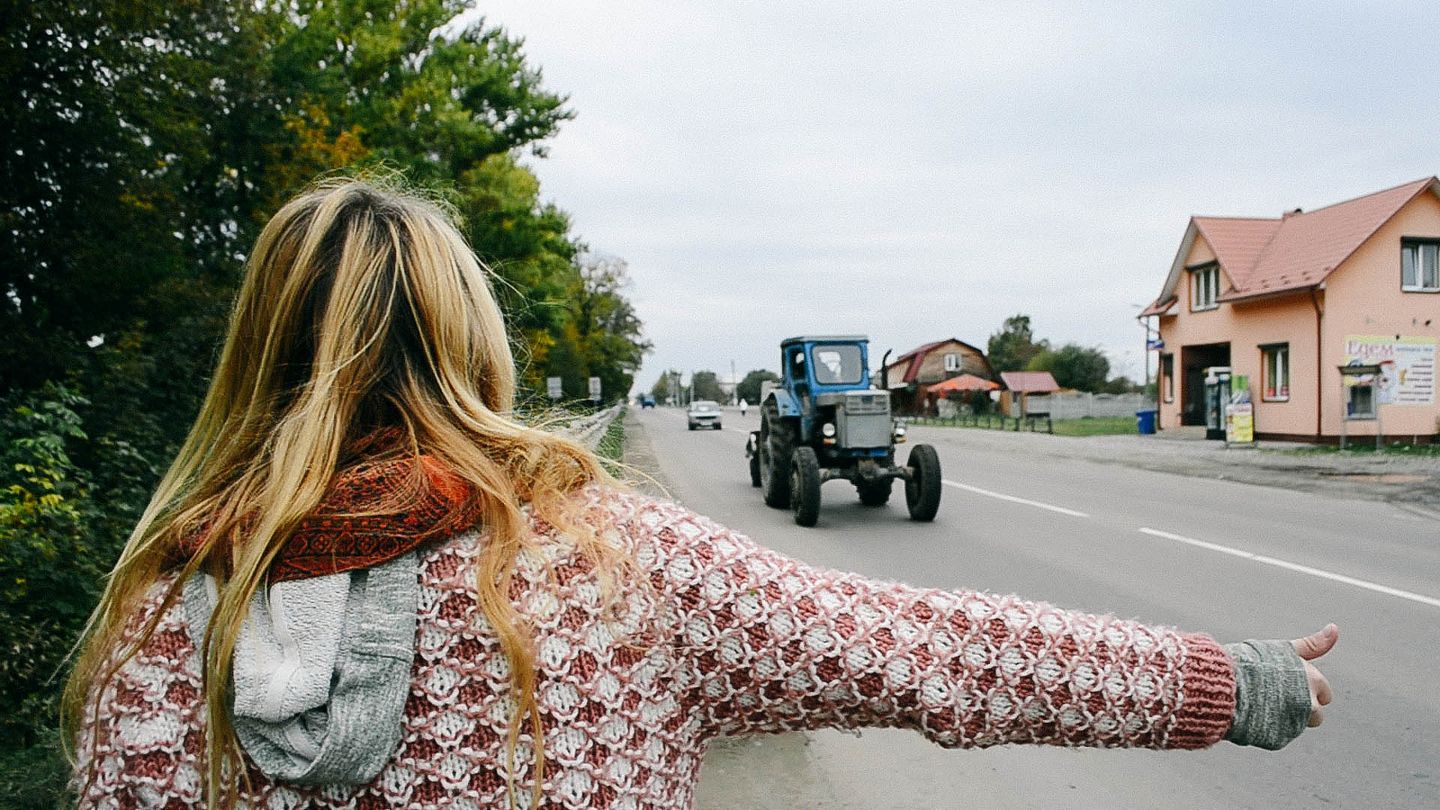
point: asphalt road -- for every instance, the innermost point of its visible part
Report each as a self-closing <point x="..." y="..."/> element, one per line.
<point x="1234" y="560"/>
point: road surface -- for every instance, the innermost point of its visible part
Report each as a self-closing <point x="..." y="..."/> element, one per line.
<point x="1234" y="560"/>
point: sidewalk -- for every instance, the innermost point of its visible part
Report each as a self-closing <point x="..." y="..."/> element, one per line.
<point x="1412" y="481"/>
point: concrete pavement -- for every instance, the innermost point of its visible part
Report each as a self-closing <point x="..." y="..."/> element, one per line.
<point x="1026" y="516"/>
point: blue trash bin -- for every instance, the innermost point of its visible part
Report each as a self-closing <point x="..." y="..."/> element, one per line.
<point x="1145" y="421"/>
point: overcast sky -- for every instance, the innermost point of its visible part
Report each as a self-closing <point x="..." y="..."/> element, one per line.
<point x="917" y="171"/>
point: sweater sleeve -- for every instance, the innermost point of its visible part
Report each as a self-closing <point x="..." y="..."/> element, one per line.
<point x="774" y="645"/>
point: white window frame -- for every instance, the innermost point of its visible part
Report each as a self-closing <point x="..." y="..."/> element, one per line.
<point x="1277" y="373"/>
<point x="1205" y="288"/>
<point x="952" y="361"/>
<point x="1420" y="260"/>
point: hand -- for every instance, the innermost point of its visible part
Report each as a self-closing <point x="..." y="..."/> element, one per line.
<point x="1310" y="648"/>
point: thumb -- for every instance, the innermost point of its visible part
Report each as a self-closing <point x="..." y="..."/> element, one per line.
<point x="1316" y="645"/>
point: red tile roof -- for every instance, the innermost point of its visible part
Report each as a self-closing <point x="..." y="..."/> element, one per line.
<point x="1159" y="307"/>
<point x="1237" y="243"/>
<point x="1296" y="251"/>
<point x="1031" y="382"/>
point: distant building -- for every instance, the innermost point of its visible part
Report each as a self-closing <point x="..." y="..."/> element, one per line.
<point x="910" y="376"/>
<point x="1287" y="301"/>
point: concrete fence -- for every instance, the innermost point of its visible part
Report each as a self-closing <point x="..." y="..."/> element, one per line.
<point x="1077" y="405"/>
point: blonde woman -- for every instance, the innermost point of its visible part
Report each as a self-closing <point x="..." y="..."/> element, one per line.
<point x="364" y="583"/>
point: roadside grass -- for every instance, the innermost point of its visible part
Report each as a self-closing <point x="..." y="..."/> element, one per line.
<point x="1096" y="426"/>
<point x="1356" y="448"/>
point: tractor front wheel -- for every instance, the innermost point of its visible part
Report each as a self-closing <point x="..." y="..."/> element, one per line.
<point x="922" y="491"/>
<point x="805" y="486"/>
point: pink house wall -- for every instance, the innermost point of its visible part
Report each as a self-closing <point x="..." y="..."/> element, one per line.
<point x="1363" y="297"/>
<point x="1246" y="327"/>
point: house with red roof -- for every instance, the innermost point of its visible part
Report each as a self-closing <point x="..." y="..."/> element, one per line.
<point x="911" y="376"/>
<point x="1288" y="302"/>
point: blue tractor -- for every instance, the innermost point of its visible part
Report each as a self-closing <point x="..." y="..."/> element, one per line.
<point x="825" y="421"/>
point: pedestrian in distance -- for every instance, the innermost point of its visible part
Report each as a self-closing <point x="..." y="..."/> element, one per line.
<point x="743" y="406"/>
<point x="364" y="583"/>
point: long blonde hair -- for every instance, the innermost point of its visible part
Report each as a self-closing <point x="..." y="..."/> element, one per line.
<point x="362" y="308"/>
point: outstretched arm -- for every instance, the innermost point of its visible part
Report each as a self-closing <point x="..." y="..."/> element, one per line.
<point x="778" y="645"/>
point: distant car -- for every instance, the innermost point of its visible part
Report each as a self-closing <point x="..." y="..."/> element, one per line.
<point x="704" y="413"/>
<point x="647" y="401"/>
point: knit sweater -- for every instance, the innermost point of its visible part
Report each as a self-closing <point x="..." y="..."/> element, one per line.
<point x="726" y="638"/>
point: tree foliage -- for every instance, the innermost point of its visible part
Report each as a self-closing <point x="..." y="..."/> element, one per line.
<point x="706" y="385"/>
<point x="749" y="387"/>
<point x="667" y="386"/>
<point x="1074" y="366"/>
<point x="146" y="144"/>
<point x="1014" y="346"/>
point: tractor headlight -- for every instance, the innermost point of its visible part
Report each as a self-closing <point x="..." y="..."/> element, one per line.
<point x="899" y="433"/>
<point x="828" y="430"/>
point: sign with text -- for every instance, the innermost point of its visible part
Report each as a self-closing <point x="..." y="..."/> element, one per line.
<point x="595" y="388"/>
<point x="1407" y="367"/>
<point x="552" y="384"/>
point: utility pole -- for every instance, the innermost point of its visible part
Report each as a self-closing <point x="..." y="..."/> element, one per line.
<point x="734" y="384"/>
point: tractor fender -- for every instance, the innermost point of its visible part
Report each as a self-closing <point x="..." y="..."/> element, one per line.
<point x="785" y="404"/>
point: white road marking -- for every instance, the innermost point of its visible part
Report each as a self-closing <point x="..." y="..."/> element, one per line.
<point x="1290" y="566"/>
<point x="1013" y="499"/>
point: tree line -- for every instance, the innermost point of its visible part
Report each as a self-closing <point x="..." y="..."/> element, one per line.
<point x="1014" y="347"/>
<point x="146" y="144"/>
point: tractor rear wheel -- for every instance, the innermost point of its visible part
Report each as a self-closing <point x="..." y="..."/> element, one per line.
<point x="805" y="486"/>
<point x="774" y="448"/>
<point x="922" y="491"/>
<point x="876" y="492"/>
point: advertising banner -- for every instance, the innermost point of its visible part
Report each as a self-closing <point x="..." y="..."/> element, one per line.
<point x="1407" y="367"/>
<point x="1239" y="412"/>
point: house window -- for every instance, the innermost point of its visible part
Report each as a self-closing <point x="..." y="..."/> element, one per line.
<point x="1205" y="287"/>
<point x="952" y="362"/>
<point x="1277" y="372"/>
<point x="1361" y="402"/>
<point x="1167" y="375"/>
<point x="1420" y="265"/>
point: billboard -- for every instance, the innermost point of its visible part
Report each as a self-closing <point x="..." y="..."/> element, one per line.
<point x="1407" y="367"/>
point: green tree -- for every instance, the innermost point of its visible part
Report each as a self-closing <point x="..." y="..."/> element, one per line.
<point x="1014" y="346"/>
<point x="1074" y="366"/>
<point x="662" y="390"/>
<point x="749" y="387"/>
<point x="1121" y="385"/>
<point x="602" y="336"/>
<point x="706" y="385"/>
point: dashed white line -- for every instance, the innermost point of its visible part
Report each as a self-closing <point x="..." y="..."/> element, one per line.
<point x="1297" y="567"/>
<point x="1013" y="499"/>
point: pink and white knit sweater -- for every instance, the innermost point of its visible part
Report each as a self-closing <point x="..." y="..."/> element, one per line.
<point x="731" y="639"/>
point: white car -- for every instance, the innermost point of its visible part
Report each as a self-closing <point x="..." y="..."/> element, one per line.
<point x="703" y="413"/>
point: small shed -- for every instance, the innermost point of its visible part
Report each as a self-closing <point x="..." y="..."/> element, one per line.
<point x="1027" y="393"/>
